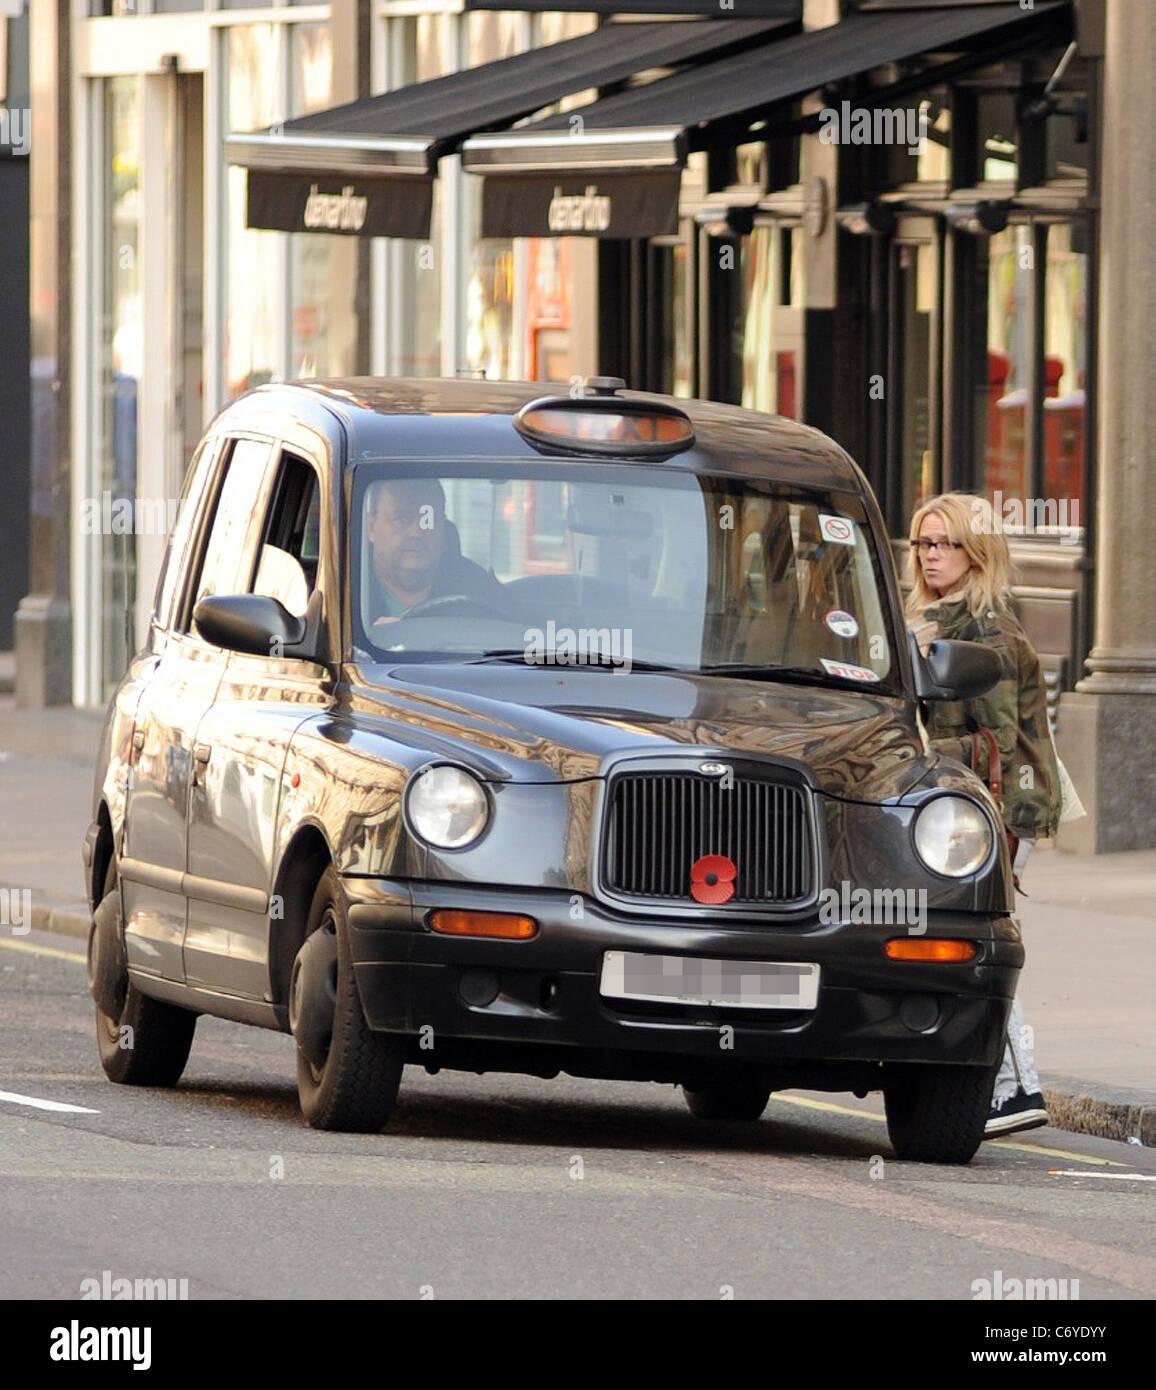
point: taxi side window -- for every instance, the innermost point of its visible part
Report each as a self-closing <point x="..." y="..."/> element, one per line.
<point x="228" y="555"/>
<point x="172" y="567"/>
<point x="291" y="541"/>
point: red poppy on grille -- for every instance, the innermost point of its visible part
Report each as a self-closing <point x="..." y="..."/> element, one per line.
<point x="712" y="879"/>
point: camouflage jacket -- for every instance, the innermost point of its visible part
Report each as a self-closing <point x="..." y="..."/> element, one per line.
<point x="1015" y="711"/>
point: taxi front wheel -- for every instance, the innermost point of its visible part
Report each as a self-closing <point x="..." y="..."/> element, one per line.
<point x="936" y="1114"/>
<point x="347" y="1075"/>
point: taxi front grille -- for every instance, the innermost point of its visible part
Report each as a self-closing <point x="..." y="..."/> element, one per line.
<point x="660" y="825"/>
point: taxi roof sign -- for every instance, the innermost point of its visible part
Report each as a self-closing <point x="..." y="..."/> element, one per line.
<point x="605" y="423"/>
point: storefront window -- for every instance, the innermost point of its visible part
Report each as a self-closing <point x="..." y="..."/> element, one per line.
<point x="423" y="48"/>
<point x="1067" y="158"/>
<point x="681" y="347"/>
<point x="759" y="284"/>
<point x="255" y="288"/>
<point x="494" y="34"/>
<point x="934" y="162"/>
<point x="416" y="289"/>
<point x="322" y="268"/>
<point x="554" y="26"/>
<point x="121" y="348"/>
<point x="1065" y="361"/>
<point x="490" y="309"/>
<point x="916" y="283"/>
<point x="996" y="118"/>
<point x="1002" y="427"/>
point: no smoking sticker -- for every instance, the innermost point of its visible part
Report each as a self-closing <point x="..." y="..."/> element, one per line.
<point x="844" y="668"/>
<point x="837" y="529"/>
<point x="841" y="623"/>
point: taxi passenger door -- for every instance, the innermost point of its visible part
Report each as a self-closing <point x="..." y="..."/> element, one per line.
<point x="243" y="739"/>
<point x="180" y="690"/>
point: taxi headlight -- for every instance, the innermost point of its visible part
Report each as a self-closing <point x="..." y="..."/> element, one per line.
<point x="952" y="836"/>
<point x="447" y="806"/>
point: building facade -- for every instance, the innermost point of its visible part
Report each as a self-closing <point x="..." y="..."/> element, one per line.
<point x="884" y="217"/>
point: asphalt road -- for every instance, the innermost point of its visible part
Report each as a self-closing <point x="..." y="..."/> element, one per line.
<point x="509" y="1187"/>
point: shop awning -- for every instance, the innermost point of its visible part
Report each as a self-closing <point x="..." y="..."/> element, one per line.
<point x="646" y="129"/>
<point x="366" y="168"/>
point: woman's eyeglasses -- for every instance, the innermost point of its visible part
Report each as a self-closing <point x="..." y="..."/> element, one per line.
<point x="925" y="545"/>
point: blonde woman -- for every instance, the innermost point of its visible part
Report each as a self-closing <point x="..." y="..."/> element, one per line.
<point x="961" y="590"/>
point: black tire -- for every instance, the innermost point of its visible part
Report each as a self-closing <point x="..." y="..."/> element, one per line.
<point x="937" y="1114"/>
<point x="736" y="1099"/>
<point x="355" y="1087"/>
<point x="147" y="1043"/>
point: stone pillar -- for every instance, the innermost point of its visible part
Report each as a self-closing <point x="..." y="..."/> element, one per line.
<point x="44" y="620"/>
<point x="1107" y="727"/>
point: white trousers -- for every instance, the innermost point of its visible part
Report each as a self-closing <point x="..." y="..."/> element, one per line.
<point x="1017" y="1071"/>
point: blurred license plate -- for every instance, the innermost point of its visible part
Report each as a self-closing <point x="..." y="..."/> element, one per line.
<point x="743" y="984"/>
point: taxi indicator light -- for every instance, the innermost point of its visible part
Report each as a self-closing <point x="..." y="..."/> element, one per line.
<point x="605" y="425"/>
<point x="508" y="926"/>
<point x="944" y="950"/>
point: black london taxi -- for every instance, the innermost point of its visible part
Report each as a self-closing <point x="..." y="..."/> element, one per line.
<point x="488" y="727"/>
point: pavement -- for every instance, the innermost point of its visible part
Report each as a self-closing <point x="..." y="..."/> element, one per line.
<point x="1089" y="925"/>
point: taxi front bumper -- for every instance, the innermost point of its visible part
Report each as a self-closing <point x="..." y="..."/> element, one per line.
<point x="546" y="991"/>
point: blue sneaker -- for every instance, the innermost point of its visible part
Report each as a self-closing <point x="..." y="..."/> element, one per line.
<point x="1020" y="1111"/>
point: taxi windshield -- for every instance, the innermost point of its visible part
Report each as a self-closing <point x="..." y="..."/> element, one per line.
<point x="564" y="562"/>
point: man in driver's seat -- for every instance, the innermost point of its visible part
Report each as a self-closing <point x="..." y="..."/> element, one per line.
<point x="416" y="552"/>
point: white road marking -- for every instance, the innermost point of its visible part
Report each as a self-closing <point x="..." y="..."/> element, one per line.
<point x="13" y="1098"/>
<point x="1123" y="1177"/>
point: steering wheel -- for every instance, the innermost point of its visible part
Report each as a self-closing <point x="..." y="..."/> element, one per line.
<point x="444" y="605"/>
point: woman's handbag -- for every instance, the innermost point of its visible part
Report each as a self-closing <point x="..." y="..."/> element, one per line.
<point x="983" y="737"/>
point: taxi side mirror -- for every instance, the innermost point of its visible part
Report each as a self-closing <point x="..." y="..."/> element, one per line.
<point x="954" y="670"/>
<point x="262" y="626"/>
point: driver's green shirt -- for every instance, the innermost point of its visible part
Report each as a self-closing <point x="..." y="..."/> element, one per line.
<point x="388" y="605"/>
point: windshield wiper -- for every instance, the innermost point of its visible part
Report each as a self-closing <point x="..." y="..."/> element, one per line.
<point x="517" y="655"/>
<point x="791" y="675"/>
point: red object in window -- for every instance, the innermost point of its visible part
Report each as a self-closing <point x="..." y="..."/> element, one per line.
<point x="1064" y="452"/>
<point x="785" y="367"/>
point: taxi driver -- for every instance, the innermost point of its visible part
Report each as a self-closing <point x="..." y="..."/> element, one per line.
<point x="415" y="550"/>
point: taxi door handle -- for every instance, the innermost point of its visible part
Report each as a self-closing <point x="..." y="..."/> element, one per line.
<point x="202" y="752"/>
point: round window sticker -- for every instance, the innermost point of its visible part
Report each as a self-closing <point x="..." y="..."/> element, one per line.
<point x="841" y="623"/>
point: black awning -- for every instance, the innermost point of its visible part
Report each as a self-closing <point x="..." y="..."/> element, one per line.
<point x="353" y="151"/>
<point x="647" y="127"/>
